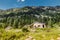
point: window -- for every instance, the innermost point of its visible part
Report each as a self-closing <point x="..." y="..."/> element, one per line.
<point x="43" y="26"/>
<point x="38" y="25"/>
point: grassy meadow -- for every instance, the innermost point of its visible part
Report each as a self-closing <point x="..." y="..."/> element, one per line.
<point x="36" y="34"/>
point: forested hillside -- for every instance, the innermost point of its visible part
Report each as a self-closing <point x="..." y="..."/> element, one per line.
<point x="18" y="17"/>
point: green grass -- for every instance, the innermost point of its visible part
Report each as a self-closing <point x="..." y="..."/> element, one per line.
<point x="39" y="34"/>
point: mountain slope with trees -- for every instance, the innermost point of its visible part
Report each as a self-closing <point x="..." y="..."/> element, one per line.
<point x="18" y="17"/>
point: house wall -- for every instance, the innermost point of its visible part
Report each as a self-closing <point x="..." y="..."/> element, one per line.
<point x="39" y="25"/>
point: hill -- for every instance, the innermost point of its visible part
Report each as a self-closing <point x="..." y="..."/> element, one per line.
<point x="27" y="15"/>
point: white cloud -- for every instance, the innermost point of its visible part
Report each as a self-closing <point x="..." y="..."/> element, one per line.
<point x="20" y="0"/>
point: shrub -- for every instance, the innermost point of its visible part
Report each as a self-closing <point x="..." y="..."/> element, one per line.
<point x="25" y="30"/>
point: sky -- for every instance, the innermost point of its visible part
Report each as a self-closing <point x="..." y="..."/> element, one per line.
<point x="7" y="4"/>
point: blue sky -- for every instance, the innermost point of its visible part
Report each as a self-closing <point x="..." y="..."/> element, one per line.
<point x="6" y="4"/>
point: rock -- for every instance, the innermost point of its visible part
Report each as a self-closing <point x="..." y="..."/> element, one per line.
<point x="8" y="28"/>
<point x="30" y="38"/>
<point x="52" y="39"/>
<point x="17" y="30"/>
<point x="43" y="35"/>
<point x="58" y="38"/>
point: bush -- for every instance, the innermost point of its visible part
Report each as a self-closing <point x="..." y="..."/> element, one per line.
<point x="25" y="30"/>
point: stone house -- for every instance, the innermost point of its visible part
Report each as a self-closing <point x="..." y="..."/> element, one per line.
<point x="39" y="25"/>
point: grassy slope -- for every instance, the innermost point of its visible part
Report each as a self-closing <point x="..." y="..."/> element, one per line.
<point x="39" y="34"/>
